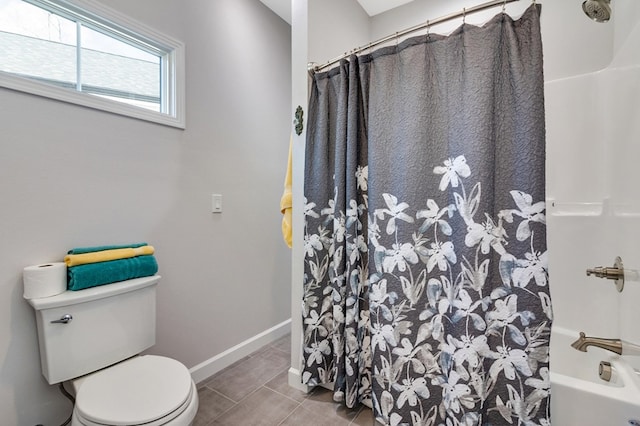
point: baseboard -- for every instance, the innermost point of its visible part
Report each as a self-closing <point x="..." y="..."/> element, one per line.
<point x="211" y="366"/>
<point x="295" y="380"/>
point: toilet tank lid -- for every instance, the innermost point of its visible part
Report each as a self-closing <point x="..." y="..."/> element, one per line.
<point x="93" y="293"/>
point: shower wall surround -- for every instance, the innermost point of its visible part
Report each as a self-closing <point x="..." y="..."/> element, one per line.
<point x="592" y="136"/>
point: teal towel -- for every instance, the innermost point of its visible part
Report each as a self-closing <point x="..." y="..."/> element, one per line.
<point x="81" y="250"/>
<point x="100" y="273"/>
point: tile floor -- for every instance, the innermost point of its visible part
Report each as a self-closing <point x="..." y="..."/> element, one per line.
<point x="254" y="392"/>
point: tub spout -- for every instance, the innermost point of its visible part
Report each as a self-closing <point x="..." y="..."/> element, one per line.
<point x="583" y="342"/>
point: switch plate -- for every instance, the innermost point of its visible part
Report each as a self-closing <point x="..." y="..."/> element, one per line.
<point x="216" y="203"/>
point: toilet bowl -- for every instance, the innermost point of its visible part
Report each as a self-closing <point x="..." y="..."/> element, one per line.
<point x="145" y="390"/>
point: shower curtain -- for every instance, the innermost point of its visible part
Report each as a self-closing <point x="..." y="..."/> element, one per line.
<point x="425" y="289"/>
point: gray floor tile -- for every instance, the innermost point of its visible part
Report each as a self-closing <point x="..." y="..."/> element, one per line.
<point x="229" y="367"/>
<point x="320" y="401"/>
<point x="262" y="408"/>
<point x="302" y="416"/>
<point x="283" y="344"/>
<point x="280" y="384"/>
<point x="364" y="418"/>
<point x="211" y="406"/>
<point x="245" y="377"/>
<point x="255" y="392"/>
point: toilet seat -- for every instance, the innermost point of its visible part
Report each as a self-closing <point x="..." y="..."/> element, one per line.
<point x="150" y="390"/>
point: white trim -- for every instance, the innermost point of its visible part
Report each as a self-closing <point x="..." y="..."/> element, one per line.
<point x="37" y="88"/>
<point x="299" y="96"/>
<point x="295" y="381"/>
<point x="175" y="116"/>
<point x="208" y="368"/>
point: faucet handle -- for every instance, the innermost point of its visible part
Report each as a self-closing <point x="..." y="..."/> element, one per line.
<point x="615" y="273"/>
<point x="605" y="272"/>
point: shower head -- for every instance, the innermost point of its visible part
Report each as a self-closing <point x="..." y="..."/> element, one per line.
<point x="598" y="10"/>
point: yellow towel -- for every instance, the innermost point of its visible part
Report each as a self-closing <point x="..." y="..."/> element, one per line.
<point x="106" y="255"/>
<point x="286" y="203"/>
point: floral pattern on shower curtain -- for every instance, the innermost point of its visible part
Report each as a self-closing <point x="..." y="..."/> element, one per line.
<point x="426" y="284"/>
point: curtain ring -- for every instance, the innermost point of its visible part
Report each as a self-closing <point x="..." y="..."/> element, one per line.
<point x="504" y="6"/>
<point x="464" y="15"/>
<point x="428" y="29"/>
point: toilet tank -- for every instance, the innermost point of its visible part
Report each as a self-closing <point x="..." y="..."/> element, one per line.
<point x="109" y="323"/>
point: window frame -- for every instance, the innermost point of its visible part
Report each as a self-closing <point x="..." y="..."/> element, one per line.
<point x="121" y="27"/>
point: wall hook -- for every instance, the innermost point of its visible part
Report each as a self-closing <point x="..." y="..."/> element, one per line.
<point x="298" y="121"/>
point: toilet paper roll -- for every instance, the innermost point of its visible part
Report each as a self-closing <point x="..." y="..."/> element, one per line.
<point x="44" y="280"/>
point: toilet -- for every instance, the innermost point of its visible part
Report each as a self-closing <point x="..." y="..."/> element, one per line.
<point x="92" y="339"/>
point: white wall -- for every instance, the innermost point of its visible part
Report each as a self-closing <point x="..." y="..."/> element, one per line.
<point x="71" y="176"/>
<point x="335" y="27"/>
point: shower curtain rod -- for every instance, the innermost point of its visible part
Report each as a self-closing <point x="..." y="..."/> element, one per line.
<point x="313" y="67"/>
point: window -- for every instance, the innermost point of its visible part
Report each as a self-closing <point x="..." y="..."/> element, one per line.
<point x="84" y="53"/>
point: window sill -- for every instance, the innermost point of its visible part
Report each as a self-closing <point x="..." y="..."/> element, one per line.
<point x="33" y="87"/>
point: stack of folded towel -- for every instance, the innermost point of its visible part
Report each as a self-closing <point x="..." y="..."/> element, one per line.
<point x="93" y="266"/>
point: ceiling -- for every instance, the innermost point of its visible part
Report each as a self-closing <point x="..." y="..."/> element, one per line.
<point x="372" y="7"/>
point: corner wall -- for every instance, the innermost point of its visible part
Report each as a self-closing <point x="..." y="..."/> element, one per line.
<point x="321" y="30"/>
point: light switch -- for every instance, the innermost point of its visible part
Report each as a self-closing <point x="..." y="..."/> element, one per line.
<point x="216" y="206"/>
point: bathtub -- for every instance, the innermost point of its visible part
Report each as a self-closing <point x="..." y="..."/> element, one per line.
<point x="578" y="395"/>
